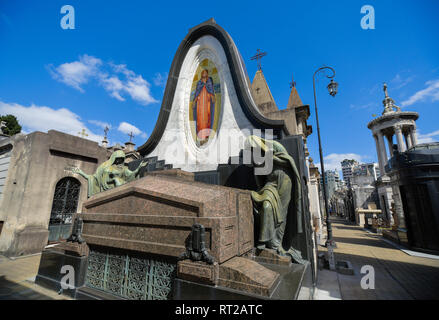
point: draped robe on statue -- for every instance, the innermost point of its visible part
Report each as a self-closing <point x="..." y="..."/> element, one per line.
<point x="204" y="108"/>
<point x="278" y="202"/>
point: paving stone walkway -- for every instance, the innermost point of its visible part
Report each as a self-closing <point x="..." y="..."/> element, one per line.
<point x="397" y="274"/>
<point x="16" y="280"/>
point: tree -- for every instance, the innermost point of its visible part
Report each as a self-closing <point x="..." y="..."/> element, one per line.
<point x="12" y="125"/>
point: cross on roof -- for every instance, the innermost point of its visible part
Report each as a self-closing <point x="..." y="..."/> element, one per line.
<point x="82" y="134"/>
<point x="131" y="136"/>
<point x="292" y="83"/>
<point x="258" y="56"/>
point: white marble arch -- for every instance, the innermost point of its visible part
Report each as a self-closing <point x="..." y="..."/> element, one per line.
<point x="177" y="146"/>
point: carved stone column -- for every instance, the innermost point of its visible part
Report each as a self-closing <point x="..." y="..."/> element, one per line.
<point x="413" y="136"/>
<point x="398" y="203"/>
<point x="380" y="158"/>
<point x="408" y="139"/>
<point x="400" y="139"/>
<point x="382" y="147"/>
<point x="390" y="144"/>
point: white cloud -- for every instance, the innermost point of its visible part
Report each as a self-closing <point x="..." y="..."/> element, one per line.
<point x="138" y="89"/>
<point x="432" y="92"/>
<point x="128" y="128"/>
<point x="113" y="85"/>
<point x="100" y="124"/>
<point x="333" y="160"/>
<point x="398" y="81"/>
<point x="428" y="137"/>
<point x="42" y="118"/>
<point x="78" y="73"/>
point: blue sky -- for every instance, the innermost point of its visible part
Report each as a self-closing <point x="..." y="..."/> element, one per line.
<point x="111" y="68"/>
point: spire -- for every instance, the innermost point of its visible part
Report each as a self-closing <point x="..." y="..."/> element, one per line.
<point x="261" y="94"/>
<point x="389" y="103"/>
<point x="294" y="100"/>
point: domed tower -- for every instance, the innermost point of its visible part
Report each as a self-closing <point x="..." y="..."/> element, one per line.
<point x="392" y="122"/>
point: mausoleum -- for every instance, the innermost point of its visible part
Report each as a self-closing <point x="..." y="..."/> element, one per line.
<point x="216" y="208"/>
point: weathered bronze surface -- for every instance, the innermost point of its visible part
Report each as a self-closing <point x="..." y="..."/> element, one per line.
<point x="195" y="247"/>
<point x="112" y="173"/>
<point x="273" y="208"/>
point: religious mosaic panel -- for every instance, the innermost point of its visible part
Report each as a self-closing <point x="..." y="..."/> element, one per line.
<point x="205" y="102"/>
<point x="130" y="276"/>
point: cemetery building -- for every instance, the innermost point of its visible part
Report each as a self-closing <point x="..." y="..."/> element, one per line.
<point x="393" y="123"/>
<point x="415" y="174"/>
<point x="364" y="192"/>
<point x="38" y="193"/>
<point x="366" y="169"/>
<point x="314" y="198"/>
<point x="190" y="225"/>
<point x="295" y="116"/>
<point x="332" y="182"/>
<point x="347" y="168"/>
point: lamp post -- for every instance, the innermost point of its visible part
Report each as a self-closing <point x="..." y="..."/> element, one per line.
<point x="332" y="88"/>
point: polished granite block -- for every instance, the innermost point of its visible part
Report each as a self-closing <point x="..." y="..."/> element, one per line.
<point x="294" y="283"/>
<point x="155" y="215"/>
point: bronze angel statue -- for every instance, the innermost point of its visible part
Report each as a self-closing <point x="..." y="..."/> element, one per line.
<point x="112" y="173"/>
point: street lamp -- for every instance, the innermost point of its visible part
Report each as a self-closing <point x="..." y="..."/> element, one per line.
<point x="332" y="89"/>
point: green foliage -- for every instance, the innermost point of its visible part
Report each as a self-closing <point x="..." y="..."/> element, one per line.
<point x="12" y="125"/>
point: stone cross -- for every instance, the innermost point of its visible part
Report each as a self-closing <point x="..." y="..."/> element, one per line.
<point x="83" y="134"/>
<point x="131" y="136"/>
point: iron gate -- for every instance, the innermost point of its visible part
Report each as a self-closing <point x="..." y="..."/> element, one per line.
<point x="130" y="276"/>
<point x="65" y="203"/>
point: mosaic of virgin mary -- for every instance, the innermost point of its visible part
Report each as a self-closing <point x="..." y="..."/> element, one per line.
<point x="204" y="100"/>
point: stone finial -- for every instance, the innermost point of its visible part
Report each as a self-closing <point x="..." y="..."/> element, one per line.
<point x="385" y="90"/>
<point x="389" y="103"/>
<point x="105" y="140"/>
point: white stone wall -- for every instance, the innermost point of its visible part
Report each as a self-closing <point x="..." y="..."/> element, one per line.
<point x="177" y="145"/>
